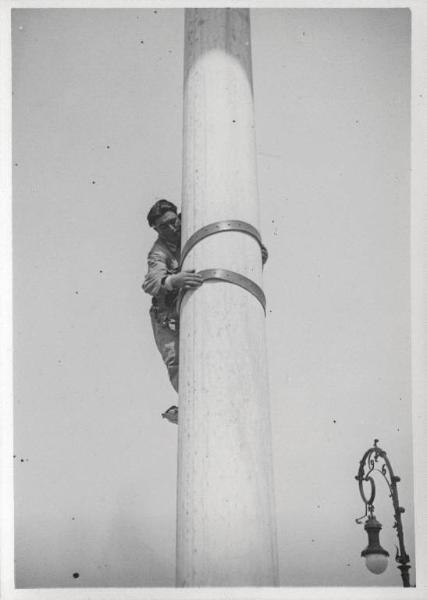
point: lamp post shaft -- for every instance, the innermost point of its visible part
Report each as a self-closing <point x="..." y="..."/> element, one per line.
<point x="404" y="570"/>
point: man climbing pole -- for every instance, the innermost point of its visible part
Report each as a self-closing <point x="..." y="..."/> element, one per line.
<point x="163" y="281"/>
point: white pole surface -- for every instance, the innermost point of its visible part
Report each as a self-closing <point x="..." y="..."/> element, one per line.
<point x="226" y="534"/>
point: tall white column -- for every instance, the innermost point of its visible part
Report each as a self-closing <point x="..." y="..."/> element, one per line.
<point x="226" y="531"/>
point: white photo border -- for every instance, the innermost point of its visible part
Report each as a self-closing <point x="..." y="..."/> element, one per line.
<point x="418" y="317"/>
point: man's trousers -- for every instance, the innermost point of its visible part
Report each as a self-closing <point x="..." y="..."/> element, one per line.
<point x="167" y="341"/>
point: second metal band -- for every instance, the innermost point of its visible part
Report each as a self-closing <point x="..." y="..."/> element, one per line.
<point x="230" y="277"/>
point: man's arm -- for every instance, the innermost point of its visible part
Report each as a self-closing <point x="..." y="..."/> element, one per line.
<point x="158" y="280"/>
<point x="154" y="281"/>
<point x="184" y="279"/>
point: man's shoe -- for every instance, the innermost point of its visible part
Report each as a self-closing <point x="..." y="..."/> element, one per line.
<point x="171" y="414"/>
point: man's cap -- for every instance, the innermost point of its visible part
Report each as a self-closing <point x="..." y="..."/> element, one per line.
<point x="158" y="209"/>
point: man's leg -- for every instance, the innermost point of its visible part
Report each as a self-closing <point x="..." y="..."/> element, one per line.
<point x="167" y="342"/>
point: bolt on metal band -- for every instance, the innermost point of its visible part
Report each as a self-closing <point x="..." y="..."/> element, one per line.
<point x="230" y="277"/>
<point x="218" y="227"/>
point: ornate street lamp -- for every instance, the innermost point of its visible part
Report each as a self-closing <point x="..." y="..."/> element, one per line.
<point x="375" y="459"/>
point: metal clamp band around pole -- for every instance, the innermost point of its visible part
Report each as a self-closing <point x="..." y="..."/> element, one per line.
<point x="218" y="227"/>
<point x="230" y="277"/>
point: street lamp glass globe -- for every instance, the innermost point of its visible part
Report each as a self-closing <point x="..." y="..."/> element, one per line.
<point x="376" y="563"/>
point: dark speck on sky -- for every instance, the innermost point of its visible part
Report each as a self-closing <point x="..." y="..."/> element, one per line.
<point x="93" y="182"/>
<point x="76" y="575"/>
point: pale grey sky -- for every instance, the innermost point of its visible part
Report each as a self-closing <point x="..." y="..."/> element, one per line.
<point x="97" y="118"/>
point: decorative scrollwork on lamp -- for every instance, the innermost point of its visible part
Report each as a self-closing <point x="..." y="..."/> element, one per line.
<point x="375" y="460"/>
